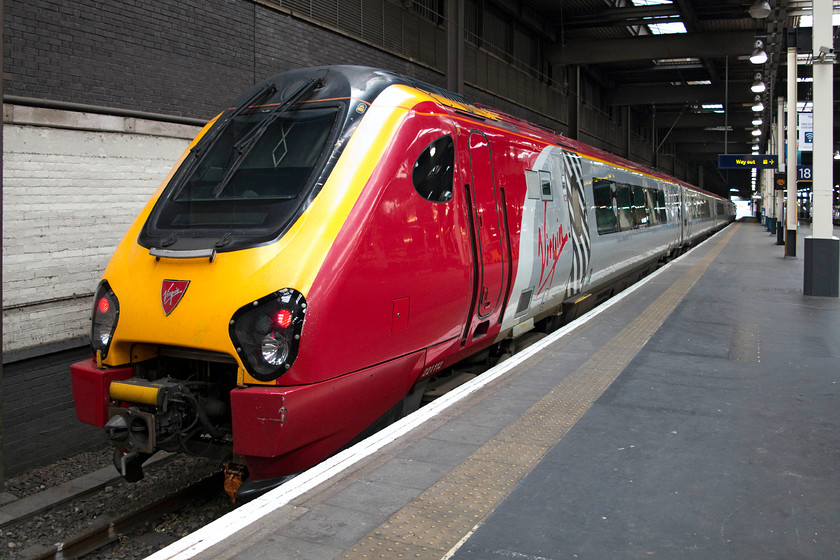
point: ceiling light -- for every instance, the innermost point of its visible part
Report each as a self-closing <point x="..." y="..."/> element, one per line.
<point x="758" y="121"/>
<point x="758" y="86"/>
<point x="760" y="9"/>
<point x="756" y="132"/>
<point x="755" y="148"/>
<point x="758" y="55"/>
<point x="758" y="106"/>
<point x="837" y="154"/>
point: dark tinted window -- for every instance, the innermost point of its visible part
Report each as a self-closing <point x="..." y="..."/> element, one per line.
<point x="660" y="206"/>
<point x="622" y="207"/>
<point x="641" y="213"/>
<point x="246" y="182"/>
<point x="602" y="192"/>
<point x="434" y="169"/>
<point x="624" y="200"/>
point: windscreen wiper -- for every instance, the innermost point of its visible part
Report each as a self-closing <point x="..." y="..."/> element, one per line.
<point x="209" y="141"/>
<point x="245" y="144"/>
<point x="267" y="90"/>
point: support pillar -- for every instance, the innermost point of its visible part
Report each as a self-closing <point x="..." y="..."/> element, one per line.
<point x="822" y="249"/>
<point x="2" y="460"/>
<point x="455" y="46"/>
<point x="780" y="217"/>
<point x="792" y="221"/>
<point x="628" y="135"/>
<point x="574" y="102"/>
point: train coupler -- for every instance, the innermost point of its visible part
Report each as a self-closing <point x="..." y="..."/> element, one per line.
<point x="130" y="464"/>
<point x="234" y="476"/>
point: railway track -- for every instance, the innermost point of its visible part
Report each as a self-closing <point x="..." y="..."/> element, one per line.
<point x="116" y="519"/>
<point x="107" y="531"/>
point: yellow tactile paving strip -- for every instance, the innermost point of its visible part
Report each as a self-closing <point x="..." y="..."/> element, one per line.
<point x="436" y="521"/>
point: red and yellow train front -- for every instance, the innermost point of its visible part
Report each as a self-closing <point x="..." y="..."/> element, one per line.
<point x="305" y="264"/>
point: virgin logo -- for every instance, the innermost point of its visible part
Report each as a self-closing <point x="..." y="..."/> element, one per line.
<point x="171" y="292"/>
<point x="549" y="249"/>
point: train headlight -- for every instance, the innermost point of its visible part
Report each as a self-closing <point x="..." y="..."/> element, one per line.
<point x="275" y="349"/>
<point x="106" y="313"/>
<point x="266" y="333"/>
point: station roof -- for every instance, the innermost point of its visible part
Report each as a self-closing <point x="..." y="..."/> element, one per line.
<point x="685" y="64"/>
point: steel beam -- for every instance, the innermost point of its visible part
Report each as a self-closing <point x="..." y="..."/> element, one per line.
<point x="649" y="47"/>
<point x="648" y="95"/>
<point x="711" y="148"/>
<point x="740" y="119"/>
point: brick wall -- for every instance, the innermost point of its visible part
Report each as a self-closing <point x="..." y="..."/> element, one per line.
<point x="184" y="57"/>
<point x="39" y="421"/>
<point x="176" y="57"/>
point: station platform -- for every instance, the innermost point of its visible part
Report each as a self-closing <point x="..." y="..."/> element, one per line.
<point x="695" y="415"/>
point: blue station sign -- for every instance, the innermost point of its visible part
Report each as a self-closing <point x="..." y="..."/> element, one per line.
<point x="747" y="161"/>
<point x="804" y="173"/>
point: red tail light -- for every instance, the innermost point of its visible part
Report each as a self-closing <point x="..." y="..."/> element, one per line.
<point x="283" y="318"/>
<point x="106" y="313"/>
<point x="102" y="305"/>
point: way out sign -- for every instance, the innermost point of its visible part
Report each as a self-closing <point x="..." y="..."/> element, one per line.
<point x="744" y="161"/>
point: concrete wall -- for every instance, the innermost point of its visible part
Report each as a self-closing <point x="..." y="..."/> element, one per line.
<point x="73" y="182"/>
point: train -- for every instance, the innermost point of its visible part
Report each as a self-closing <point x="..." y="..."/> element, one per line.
<point x="335" y="239"/>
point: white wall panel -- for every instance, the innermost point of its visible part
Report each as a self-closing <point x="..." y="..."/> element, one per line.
<point x="69" y="196"/>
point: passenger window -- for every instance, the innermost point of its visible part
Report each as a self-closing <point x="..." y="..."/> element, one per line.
<point x="650" y="202"/>
<point x="640" y="209"/>
<point x="625" y="207"/>
<point x="602" y="192"/>
<point x="434" y="170"/>
<point x="660" y="206"/>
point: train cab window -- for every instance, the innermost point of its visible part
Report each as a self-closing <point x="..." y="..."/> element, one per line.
<point x="434" y="170"/>
<point x="605" y="217"/>
<point x="641" y="215"/>
<point x="274" y="168"/>
<point x="248" y="180"/>
<point x="624" y="202"/>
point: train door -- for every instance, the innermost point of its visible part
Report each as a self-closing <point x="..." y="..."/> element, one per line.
<point x="486" y="216"/>
<point x="689" y="210"/>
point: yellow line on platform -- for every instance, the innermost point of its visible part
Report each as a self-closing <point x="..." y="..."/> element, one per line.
<point x="436" y="523"/>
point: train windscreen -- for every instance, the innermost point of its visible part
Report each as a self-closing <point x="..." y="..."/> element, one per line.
<point x="250" y="180"/>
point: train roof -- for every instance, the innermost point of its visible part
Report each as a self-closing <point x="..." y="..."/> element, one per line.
<point x="366" y="83"/>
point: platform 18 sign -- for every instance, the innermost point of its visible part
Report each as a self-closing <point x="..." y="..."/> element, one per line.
<point x="804" y="173"/>
<point x="744" y="161"/>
